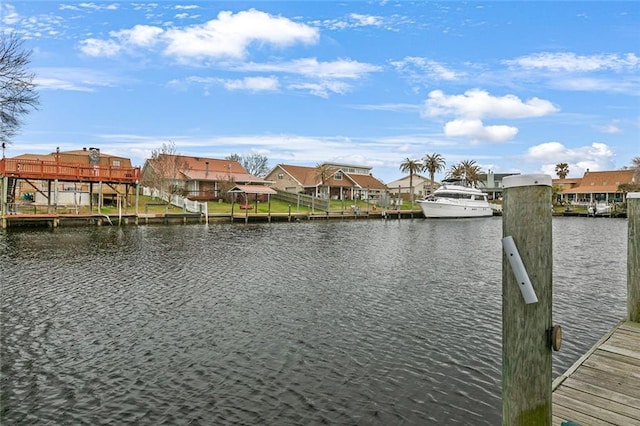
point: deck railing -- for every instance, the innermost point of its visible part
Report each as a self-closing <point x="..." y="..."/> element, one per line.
<point x="37" y="169"/>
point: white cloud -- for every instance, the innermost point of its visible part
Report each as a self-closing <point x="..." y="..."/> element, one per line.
<point x="72" y="79"/>
<point x="139" y="36"/>
<point x="597" y="156"/>
<point x="419" y="69"/>
<point x="474" y="105"/>
<point x="96" y="47"/>
<point x="318" y="78"/>
<point x="476" y="130"/>
<point x="479" y="104"/>
<point x="611" y="128"/>
<point x="95" y="6"/>
<point x="584" y="84"/>
<point x="254" y="84"/>
<point x="576" y="63"/>
<point x="230" y="35"/>
<point x="311" y="67"/>
<point x="353" y="20"/>
<point x="366" y="20"/>
<point x="322" y="88"/>
<point x="8" y="14"/>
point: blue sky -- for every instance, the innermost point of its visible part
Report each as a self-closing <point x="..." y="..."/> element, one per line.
<point x="515" y="86"/>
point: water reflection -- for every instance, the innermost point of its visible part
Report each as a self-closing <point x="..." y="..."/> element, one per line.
<point x="366" y="322"/>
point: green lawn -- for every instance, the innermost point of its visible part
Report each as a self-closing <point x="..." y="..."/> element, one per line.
<point x="146" y="204"/>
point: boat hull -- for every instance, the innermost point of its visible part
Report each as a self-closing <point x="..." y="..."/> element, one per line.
<point x="440" y="209"/>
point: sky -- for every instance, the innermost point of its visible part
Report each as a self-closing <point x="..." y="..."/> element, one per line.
<point x="516" y="86"/>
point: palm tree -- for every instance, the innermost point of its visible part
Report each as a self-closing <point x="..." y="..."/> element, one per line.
<point x="412" y="167"/>
<point x="466" y="170"/>
<point x="433" y="163"/>
<point x="562" y="170"/>
<point x="456" y="171"/>
<point x="471" y="172"/>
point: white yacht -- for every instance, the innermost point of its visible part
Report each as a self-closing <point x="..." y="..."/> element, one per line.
<point x="453" y="199"/>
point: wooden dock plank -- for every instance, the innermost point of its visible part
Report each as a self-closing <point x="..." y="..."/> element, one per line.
<point x="622" y="351"/>
<point x="604" y="402"/>
<point x="603" y="387"/>
<point x="594" y="389"/>
<point x="566" y="413"/>
<point x="594" y="411"/>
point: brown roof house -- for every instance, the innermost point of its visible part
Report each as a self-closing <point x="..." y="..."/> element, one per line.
<point x="196" y="178"/>
<point x="328" y="180"/>
<point x="596" y="187"/>
<point x="70" y="178"/>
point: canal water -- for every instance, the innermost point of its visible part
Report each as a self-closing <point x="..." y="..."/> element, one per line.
<point x="325" y="322"/>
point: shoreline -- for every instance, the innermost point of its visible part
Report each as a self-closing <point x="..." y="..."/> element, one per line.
<point x="132" y="219"/>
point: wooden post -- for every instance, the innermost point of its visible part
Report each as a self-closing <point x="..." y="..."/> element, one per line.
<point x="138" y="201"/>
<point x="4" y="196"/>
<point x="526" y="353"/>
<point x="633" y="257"/>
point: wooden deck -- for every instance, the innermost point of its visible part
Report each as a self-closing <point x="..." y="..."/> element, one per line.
<point x="602" y="387"/>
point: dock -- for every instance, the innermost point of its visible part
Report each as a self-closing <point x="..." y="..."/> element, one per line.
<point x="603" y="386"/>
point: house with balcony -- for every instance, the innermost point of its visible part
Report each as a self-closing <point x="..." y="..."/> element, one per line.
<point x="83" y="177"/>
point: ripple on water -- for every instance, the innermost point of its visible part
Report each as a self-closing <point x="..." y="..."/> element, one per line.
<point x="355" y="322"/>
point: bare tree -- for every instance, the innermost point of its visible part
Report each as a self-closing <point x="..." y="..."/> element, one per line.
<point x="255" y="164"/>
<point x="163" y="170"/>
<point x="323" y="173"/>
<point x="17" y="89"/>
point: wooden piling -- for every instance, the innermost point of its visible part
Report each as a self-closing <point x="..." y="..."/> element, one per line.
<point x="633" y="257"/>
<point x="526" y="352"/>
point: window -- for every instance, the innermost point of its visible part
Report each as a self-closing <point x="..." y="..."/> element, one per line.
<point x="280" y="175"/>
<point x="338" y="176"/>
<point x="115" y="163"/>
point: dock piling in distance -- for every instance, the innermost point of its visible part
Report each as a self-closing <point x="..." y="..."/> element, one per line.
<point x="526" y="352"/>
<point x="633" y="257"/>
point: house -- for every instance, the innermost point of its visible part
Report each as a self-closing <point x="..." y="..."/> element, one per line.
<point x="328" y="180"/>
<point x="595" y="187"/>
<point x="422" y="186"/>
<point x="78" y="177"/>
<point x="491" y="183"/>
<point x="197" y="178"/>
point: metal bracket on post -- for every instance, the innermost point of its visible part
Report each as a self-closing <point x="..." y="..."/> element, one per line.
<point x="519" y="270"/>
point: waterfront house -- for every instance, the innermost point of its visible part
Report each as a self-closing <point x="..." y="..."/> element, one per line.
<point x="328" y="180"/>
<point x="491" y="183"/>
<point x="422" y="186"/>
<point x="595" y="187"/>
<point x="80" y="177"/>
<point x="196" y="178"/>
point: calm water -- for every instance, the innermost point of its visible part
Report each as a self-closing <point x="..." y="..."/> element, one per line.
<point x="354" y="322"/>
